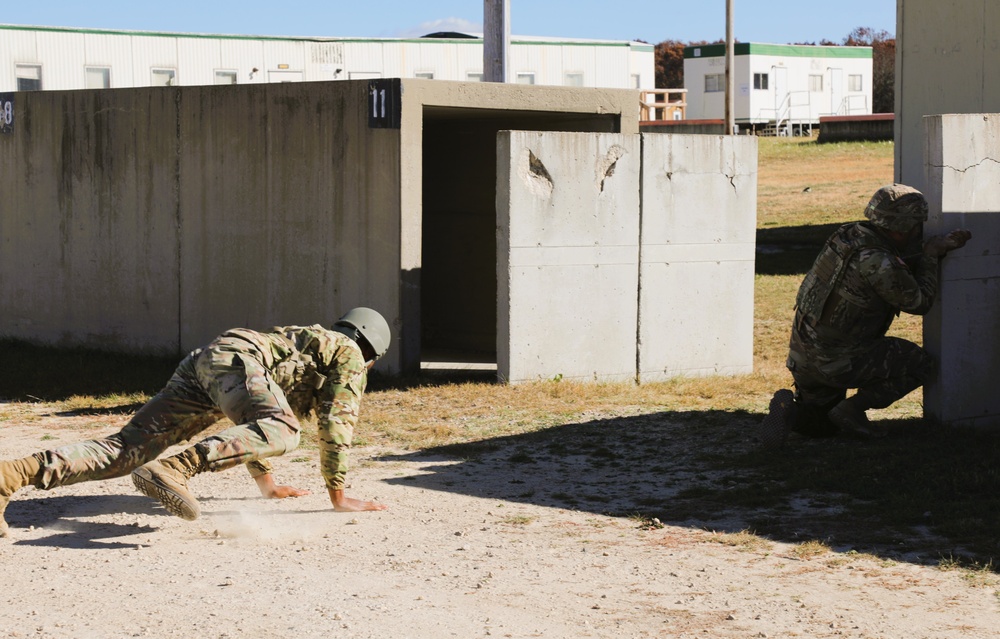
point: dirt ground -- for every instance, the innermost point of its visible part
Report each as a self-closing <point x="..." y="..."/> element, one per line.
<point x="470" y="546"/>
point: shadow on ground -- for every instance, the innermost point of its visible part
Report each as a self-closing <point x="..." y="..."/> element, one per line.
<point x="65" y="515"/>
<point x="923" y="494"/>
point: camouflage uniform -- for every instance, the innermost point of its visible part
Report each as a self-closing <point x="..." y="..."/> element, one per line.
<point x="260" y="381"/>
<point x="846" y="303"/>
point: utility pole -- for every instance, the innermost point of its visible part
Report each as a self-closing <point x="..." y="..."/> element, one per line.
<point x="496" y="40"/>
<point x="730" y="73"/>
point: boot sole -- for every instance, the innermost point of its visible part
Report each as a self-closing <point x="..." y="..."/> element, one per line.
<point x="176" y="503"/>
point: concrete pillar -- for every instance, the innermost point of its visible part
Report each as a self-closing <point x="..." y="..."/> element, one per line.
<point x="962" y="161"/>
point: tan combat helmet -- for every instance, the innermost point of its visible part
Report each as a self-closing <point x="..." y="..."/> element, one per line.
<point x="897" y="207"/>
<point x="368" y="324"/>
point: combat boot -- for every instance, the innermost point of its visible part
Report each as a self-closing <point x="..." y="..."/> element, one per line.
<point x="852" y="420"/>
<point x="15" y="475"/>
<point x="166" y="481"/>
<point x="780" y="416"/>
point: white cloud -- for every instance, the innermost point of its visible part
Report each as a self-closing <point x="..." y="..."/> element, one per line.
<point x="443" y="24"/>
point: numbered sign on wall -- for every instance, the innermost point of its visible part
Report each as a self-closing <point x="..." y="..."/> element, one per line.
<point x="6" y="112"/>
<point x="384" y="103"/>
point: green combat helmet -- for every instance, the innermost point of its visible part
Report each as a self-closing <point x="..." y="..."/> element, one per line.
<point x="897" y="207"/>
<point x="367" y="324"/>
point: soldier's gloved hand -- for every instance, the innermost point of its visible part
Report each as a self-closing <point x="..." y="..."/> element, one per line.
<point x="940" y="245"/>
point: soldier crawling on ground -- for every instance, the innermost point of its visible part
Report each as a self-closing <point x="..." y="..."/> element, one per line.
<point x="865" y="275"/>
<point x="261" y="381"/>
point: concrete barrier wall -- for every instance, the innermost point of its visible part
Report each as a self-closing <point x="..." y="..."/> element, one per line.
<point x="963" y="191"/>
<point x="89" y="220"/>
<point x="595" y="283"/>
<point x="567" y="255"/>
<point x="153" y="219"/>
<point x="699" y="219"/>
<point x="288" y="208"/>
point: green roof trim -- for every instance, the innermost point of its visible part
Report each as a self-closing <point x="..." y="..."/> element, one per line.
<point x="786" y="50"/>
<point x="637" y="46"/>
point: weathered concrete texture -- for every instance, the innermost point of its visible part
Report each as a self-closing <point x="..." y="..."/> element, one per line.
<point x="568" y="255"/>
<point x="699" y="204"/>
<point x="284" y="214"/>
<point x="963" y="191"/>
<point x="88" y="220"/>
<point x="946" y="62"/>
<point x="596" y="284"/>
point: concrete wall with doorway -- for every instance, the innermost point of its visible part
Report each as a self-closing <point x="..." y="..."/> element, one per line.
<point x="448" y="196"/>
<point x="963" y="191"/>
<point x="152" y="219"/>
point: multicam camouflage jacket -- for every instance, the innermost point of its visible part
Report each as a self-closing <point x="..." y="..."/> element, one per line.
<point x="849" y="298"/>
<point x="323" y="371"/>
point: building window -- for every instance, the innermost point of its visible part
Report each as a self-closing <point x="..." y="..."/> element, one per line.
<point x="225" y="76"/>
<point x="573" y="80"/>
<point x="526" y="77"/>
<point x="816" y="83"/>
<point x="760" y="81"/>
<point x="474" y="76"/>
<point x="163" y="77"/>
<point x="98" y="77"/>
<point x="715" y="82"/>
<point x="29" y="77"/>
<point x="636" y="81"/>
<point x="426" y="75"/>
<point x="854" y="83"/>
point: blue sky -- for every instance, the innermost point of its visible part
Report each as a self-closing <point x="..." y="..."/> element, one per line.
<point x="772" y="21"/>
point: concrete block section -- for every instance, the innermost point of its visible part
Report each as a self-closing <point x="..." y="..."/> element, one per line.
<point x="88" y="219"/>
<point x="699" y="218"/>
<point x="963" y="191"/>
<point x="567" y="255"/>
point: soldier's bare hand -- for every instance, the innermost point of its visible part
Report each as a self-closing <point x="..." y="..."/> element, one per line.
<point x="270" y="490"/>
<point x="957" y="239"/>
<point x="939" y="245"/>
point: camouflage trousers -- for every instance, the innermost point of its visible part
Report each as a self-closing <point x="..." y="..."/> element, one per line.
<point x="885" y="373"/>
<point x="226" y="378"/>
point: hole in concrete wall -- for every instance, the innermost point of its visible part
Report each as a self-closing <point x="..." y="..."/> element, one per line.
<point x="458" y="290"/>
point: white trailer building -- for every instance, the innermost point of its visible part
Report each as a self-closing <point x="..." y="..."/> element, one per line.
<point x="787" y="87"/>
<point x="56" y="58"/>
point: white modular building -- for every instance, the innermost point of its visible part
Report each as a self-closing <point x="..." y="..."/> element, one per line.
<point x="57" y="58"/>
<point x="787" y="87"/>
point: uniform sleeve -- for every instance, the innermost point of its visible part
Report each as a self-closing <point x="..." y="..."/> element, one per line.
<point x="340" y="402"/>
<point x="259" y="467"/>
<point x="911" y="290"/>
